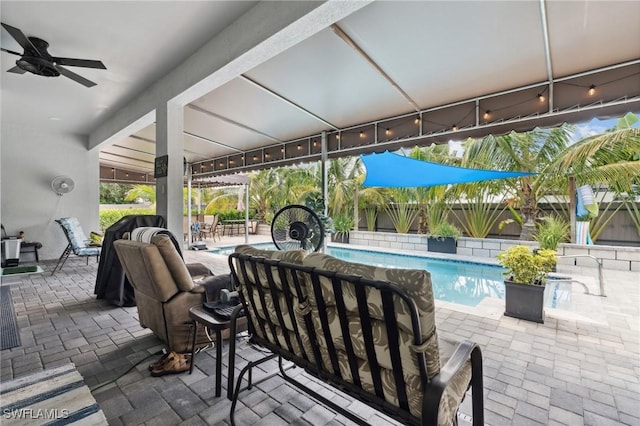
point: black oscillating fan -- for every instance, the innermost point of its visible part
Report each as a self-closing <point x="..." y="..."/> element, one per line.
<point x="297" y="227"/>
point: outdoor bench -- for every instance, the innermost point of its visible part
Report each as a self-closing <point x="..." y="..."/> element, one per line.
<point x="368" y="331"/>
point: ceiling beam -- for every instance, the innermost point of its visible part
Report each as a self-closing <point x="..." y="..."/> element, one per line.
<point x="289" y="102"/>
<point x="547" y="51"/>
<point x="349" y="41"/>
<point x="232" y="122"/>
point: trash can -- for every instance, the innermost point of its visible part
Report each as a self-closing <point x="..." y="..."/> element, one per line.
<point x="11" y="252"/>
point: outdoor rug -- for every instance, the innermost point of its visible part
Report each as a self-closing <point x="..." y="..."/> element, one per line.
<point x="19" y="270"/>
<point x="9" y="334"/>
<point x="57" y="396"/>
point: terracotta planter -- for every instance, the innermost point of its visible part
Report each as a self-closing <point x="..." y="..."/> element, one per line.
<point x="442" y="244"/>
<point x="524" y="301"/>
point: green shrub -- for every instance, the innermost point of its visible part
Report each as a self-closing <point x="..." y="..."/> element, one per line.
<point x="343" y="224"/>
<point x="445" y="229"/>
<point x="110" y="216"/>
<point x="524" y="266"/>
<point x="551" y="232"/>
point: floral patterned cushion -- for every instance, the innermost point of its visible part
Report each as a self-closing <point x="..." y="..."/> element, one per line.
<point x="417" y="284"/>
<point x="77" y="238"/>
<point x="275" y="301"/>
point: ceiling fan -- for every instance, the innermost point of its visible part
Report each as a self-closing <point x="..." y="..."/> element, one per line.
<point x="36" y="60"/>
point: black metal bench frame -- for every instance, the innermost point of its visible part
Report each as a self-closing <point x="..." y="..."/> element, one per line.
<point x="432" y="389"/>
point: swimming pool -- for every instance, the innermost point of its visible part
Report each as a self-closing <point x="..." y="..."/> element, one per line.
<point x="465" y="283"/>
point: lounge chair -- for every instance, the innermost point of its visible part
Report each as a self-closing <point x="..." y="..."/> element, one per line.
<point x="79" y="244"/>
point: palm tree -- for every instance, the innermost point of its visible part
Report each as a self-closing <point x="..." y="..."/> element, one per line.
<point x="532" y="151"/>
<point x="432" y="201"/>
<point x="145" y="192"/>
<point x="612" y="160"/>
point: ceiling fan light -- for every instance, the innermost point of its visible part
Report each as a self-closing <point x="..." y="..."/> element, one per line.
<point x="27" y="66"/>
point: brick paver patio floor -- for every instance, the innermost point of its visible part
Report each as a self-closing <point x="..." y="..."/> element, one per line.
<point x="580" y="368"/>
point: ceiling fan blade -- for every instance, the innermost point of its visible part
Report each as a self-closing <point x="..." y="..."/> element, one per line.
<point x="22" y="39"/>
<point x="10" y="51"/>
<point x="16" y="70"/>
<point x="75" y="77"/>
<point x="72" y="62"/>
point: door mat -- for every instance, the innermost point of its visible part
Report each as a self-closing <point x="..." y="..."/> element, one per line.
<point x="19" y="270"/>
<point x="9" y="336"/>
<point x="55" y="396"/>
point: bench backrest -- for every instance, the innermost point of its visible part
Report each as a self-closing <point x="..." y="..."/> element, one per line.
<point x="370" y="331"/>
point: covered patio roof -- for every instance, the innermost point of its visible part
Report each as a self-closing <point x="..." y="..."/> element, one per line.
<point x="398" y="74"/>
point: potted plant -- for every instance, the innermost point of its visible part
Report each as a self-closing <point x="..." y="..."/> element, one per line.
<point x="442" y="237"/>
<point x="552" y="231"/>
<point x="525" y="281"/>
<point x="342" y="224"/>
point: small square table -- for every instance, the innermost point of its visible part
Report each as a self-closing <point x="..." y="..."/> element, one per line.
<point x="201" y="316"/>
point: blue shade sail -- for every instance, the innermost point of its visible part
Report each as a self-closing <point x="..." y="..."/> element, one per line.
<point x="396" y="171"/>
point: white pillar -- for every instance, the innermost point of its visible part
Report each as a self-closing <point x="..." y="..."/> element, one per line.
<point x="170" y="142"/>
<point x="325" y="178"/>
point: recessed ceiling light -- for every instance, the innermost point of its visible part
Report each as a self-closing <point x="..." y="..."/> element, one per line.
<point x="54" y="118"/>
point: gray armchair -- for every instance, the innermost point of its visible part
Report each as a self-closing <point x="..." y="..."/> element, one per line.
<point x="165" y="290"/>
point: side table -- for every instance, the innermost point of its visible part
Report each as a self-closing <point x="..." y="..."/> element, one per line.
<point x="201" y="316"/>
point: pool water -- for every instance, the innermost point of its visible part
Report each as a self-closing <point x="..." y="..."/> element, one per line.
<point x="465" y="283"/>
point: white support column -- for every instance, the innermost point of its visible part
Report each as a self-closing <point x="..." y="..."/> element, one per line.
<point x="170" y="142"/>
<point x="246" y="213"/>
<point x="325" y="177"/>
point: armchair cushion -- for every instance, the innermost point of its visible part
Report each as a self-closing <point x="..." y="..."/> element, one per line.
<point x="174" y="262"/>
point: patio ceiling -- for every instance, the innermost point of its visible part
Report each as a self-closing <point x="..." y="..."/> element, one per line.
<point x="366" y="79"/>
<point x="391" y="74"/>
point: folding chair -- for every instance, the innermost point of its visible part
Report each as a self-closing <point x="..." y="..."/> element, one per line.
<point x="79" y="244"/>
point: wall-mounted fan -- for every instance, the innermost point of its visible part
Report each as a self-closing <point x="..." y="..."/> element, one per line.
<point x="297" y="227"/>
<point x="62" y="185"/>
<point x="36" y="60"/>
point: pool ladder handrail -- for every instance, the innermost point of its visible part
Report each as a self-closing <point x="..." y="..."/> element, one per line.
<point x="600" y="275"/>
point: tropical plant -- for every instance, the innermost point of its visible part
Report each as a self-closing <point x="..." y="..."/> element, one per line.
<point x="342" y="224"/>
<point x="631" y="205"/>
<point x="445" y="229"/>
<point x="478" y="213"/>
<point x="610" y="160"/>
<point x="432" y="201"/>
<point x="526" y="267"/>
<point x="532" y="152"/>
<point x="402" y="216"/>
<point x="108" y="217"/>
<point x="144" y="192"/>
<point x="552" y="230"/>
<point x="114" y="193"/>
<point x="371" y="215"/>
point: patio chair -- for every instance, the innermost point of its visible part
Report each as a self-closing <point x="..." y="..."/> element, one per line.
<point x="215" y="227"/>
<point x="78" y="243"/>
<point x="165" y="289"/>
<point x="206" y="226"/>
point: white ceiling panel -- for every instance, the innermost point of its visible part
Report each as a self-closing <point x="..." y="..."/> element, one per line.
<point x="438" y="52"/>
<point x="220" y="131"/>
<point x="125" y="163"/>
<point x="442" y="52"/>
<point x="324" y="75"/>
<point x="582" y="37"/>
<point x="138" y="42"/>
<point x="245" y="103"/>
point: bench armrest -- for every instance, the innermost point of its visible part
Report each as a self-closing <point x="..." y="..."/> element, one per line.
<point x="465" y="351"/>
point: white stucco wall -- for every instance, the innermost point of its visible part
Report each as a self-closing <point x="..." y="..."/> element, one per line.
<point x="29" y="161"/>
